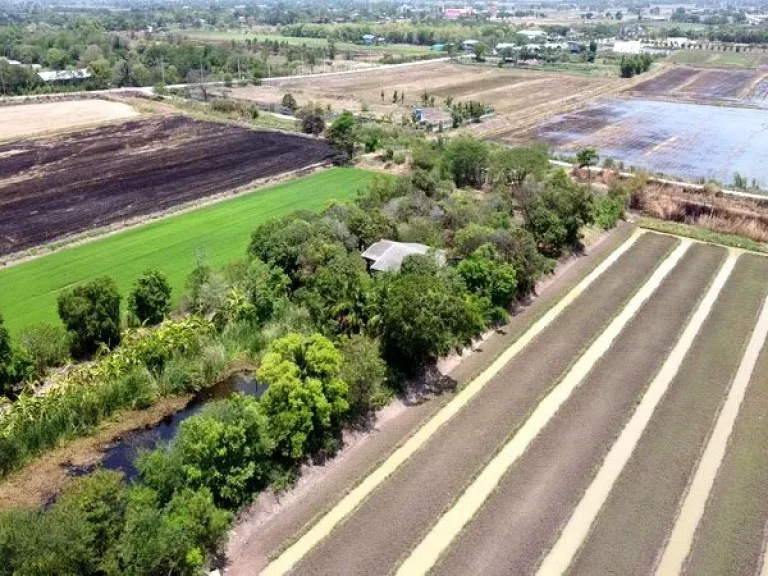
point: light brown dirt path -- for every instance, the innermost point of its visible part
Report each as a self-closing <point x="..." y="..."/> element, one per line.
<point x="383" y="529"/>
<point x="633" y="525"/>
<point x="270" y="525"/>
<point x="680" y="540"/>
<point x="523" y="517"/>
<point x="575" y="532"/>
<point x="730" y="536"/>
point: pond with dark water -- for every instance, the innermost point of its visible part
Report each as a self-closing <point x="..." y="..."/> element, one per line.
<point x="121" y="456"/>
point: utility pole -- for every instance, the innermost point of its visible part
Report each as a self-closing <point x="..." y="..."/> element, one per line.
<point x="162" y="70"/>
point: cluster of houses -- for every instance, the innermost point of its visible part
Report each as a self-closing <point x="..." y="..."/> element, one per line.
<point x="52" y="76"/>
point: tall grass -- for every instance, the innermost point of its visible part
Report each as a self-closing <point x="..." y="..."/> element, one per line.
<point x="131" y="376"/>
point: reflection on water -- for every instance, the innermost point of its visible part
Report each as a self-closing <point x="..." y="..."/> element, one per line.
<point x="122" y="454"/>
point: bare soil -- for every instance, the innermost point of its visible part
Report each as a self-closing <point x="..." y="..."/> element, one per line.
<point x="636" y="520"/>
<point x="32" y="119"/>
<point x="523" y="518"/>
<point x="398" y="514"/>
<point x="65" y="185"/>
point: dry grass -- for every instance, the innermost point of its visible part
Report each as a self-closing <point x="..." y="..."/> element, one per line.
<point x="725" y="215"/>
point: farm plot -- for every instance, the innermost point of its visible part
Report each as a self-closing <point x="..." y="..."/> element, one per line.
<point x="71" y="184"/>
<point x="679" y="139"/>
<point x="507" y="91"/>
<point x="30" y="119"/>
<point x="576" y="453"/>
<point x="218" y="232"/>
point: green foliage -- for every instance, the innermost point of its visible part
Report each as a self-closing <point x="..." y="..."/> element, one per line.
<point x="365" y="373"/>
<point x="635" y="64"/>
<point x="289" y="102"/>
<point x="511" y="166"/>
<point x="342" y="133"/>
<point x="91" y="313"/>
<point x="312" y="118"/>
<point x="16" y="364"/>
<point x="47" y="346"/>
<point x="226" y="449"/>
<point x="423" y="315"/>
<point x="587" y="157"/>
<point x="608" y="211"/>
<point x="150" y="299"/>
<point x="466" y="160"/>
<point x="306" y="399"/>
<point x="486" y="274"/>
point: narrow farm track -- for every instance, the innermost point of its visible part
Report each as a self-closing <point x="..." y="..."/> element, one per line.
<point x="524" y="516"/>
<point x="638" y="516"/>
<point x="385" y="526"/>
<point x="730" y="537"/>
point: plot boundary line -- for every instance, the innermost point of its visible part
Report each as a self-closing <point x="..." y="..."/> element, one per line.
<point x="323" y="527"/>
<point x="679" y="544"/>
<point x="449" y="526"/>
<point x="580" y="523"/>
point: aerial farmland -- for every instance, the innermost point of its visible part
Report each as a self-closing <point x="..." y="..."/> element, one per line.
<point x="625" y="450"/>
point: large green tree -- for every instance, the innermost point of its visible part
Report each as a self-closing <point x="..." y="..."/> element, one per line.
<point x="91" y="313"/>
<point x="150" y="299"/>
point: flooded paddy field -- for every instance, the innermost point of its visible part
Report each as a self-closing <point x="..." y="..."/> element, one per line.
<point x="678" y="139"/>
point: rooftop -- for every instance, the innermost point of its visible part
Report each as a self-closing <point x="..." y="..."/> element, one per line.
<point x="388" y="255"/>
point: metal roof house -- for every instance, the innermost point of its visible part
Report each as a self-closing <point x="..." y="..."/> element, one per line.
<point x="388" y="255"/>
<point x="64" y="75"/>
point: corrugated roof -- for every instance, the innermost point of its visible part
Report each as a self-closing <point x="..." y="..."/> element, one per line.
<point x="388" y="255"/>
<point x="61" y="75"/>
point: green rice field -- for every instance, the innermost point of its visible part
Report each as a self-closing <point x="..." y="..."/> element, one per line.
<point x="220" y="232"/>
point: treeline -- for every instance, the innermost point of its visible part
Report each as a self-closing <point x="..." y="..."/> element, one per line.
<point x="636" y="64"/>
<point x="333" y="342"/>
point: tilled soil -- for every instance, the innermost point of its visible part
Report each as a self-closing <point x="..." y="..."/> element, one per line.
<point x="640" y="512"/>
<point x="401" y="511"/>
<point x="524" y="516"/>
<point x="56" y="187"/>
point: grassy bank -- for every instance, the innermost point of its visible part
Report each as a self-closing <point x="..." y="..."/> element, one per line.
<point x="702" y="234"/>
<point x="221" y="231"/>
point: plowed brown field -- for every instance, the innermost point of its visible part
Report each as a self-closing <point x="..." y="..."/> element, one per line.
<point x="55" y="187"/>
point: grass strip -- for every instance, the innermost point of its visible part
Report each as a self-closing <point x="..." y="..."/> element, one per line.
<point x="220" y="232"/>
<point x="395" y="517"/>
<point x="702" y="234"/>
<point x="641" y="509"/>
<point x="730" y="536"/>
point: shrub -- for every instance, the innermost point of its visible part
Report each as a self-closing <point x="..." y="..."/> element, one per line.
<point x="91" y="313"/>
<point x="150" y="299"/>
<point x="399" y="158"/>
<point x="466" y="160"/>
<point x="311" y="118"/>
<point x="289" y="102"/>
<point x="47" y="346"/>
<point x="365" y="372"/>
<point x="608" y="211"/>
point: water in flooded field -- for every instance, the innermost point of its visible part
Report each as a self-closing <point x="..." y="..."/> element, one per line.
<point x="688" y="140"/>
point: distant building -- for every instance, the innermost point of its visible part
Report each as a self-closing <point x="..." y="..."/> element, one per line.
<point x="628" y="47"/>
<point x="438" y="48"/>
<point x="368" y="39"/>
<point x="469" y="45"/>
<point x="456" y="13"/>
<point x="533" y="34"/>
<point x="63" y="76"/>
<point x="388" y="255"/>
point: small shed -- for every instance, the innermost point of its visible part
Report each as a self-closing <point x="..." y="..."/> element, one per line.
<point x="388" y="255"/>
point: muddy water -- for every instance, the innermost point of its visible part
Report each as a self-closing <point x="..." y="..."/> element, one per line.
<point x="688" y="140"/>
<point x="121" y="455"/>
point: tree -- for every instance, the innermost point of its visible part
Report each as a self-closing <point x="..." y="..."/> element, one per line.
<point x="312" y="119"/>
<point x="586" y="158"/>
<point x="289" y="102"/>
<point x="150" y="299"/>
<point x="466" y="159"/>
<point x="511" y="166"/>
<point x="487" y="275"/>
<point x="91" y="314"/>
<point x="342" y="133"/>
<point x="306" y="400"/>
<point x="479" y="50"/>
<point x="364" y="371"/>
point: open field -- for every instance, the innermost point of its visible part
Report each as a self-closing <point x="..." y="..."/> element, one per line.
<point x="737" y="86"/>
<point x="688" y="140"/>
<point x="31" y="119"/>
<point x="583" y="440"/>
<point x="516" y="95"/>
<point x="718" y="59"/>
<point x="65" y="185"/>
<point x="220" y="232"/>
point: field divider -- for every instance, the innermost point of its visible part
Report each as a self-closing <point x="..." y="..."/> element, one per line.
<point x="680" y="541"/>
<point x="577" y="529"/>
<point x="296" y="551"/>
<point x="449" y="526"/>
